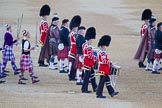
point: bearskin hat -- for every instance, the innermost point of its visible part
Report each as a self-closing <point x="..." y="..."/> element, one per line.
<point x="75" y="22"/>
<point x="90" y="33"/>
<point x="45" y="10"/>
<point x="104" y="40"/>
<point x="147" y="13"/>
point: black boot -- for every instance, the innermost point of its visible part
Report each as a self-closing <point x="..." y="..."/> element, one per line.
<point x="141" y="65"/>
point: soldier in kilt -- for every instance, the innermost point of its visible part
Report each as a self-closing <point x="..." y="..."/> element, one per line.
<point x="150" y="34"/>
<point x="158" y="49"/>
<point x="104" y="68"/>
<point x="74" y="25"/>
<point x="25" y="59"/>
<point x="54" y="36"/>
<point x="78" y="64"/>
<point x="8" y="54"/>
<point x="64" y="40"/>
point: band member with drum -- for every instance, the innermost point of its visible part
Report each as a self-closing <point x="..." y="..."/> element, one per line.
<point x="53" y="36"/>
<point x="104" y="68"/>
<point x="74" y="25"/>
<point x="158" y="49"/>
<point x="143" y="47"/>
<point x="44" y="12"/>
<point x="79" y="57"/>
<point x="26" y="60"/>
<point x="88" y="61"/>
<point x="64" y="40"/>
<point x="8" y="54"/>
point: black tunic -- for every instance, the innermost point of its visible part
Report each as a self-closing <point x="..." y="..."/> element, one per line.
<point x="158" y="40"/>
<point x="64" y="36"/>
<point x="79" y="42"/>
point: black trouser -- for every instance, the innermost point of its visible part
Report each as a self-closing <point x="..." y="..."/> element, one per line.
<point x="104" y="80"/>
<point x="89" y="75"/>
<point x="72" y="74"/>
<point x="41" y="56"/>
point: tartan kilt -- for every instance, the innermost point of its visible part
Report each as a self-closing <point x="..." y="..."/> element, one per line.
<point x="8" y="54"/>
<point x="78" y="64"/>
<point x="62" y="54"/>
<point x="26" y="63"/>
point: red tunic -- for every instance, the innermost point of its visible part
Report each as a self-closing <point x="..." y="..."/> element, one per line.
<point x="104" y="63"/>
<point x="43" y="30"/>
<point x="143" y="29"/>
<point x="72" y="36"/>
<point x="88" y="57"/>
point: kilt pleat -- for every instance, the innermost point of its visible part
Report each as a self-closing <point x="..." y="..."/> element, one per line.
<point x="8" y="54"/>
<point x="62" y="54"/>
<point x="26" y="63"/>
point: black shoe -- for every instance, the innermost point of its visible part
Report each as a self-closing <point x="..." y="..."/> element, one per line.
<point x="95" y="90"/>
<point x="113" y="94"/>
<point x="16" y="73"/>
<point x="155" y="72"/>
<point x="35" y="77"/>
<point x="70" y="79"/>
<point x="20" y="82"/>
<point x="141" y="65"/>
<point x="63" y="71"/>
<point x="79" y="83"/>
<point x="100" y="96"/>
<point x="2" y="82"/>
<point x="24" y="78"/>
<point x="35" y="81"/>
<point x="43" y="65"/>
<point x="86" y="91"/>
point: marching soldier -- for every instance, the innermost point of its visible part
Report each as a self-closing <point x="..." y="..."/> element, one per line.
<point x="44" y="12"/>
<point x="74" y="24"/>
<point x="64" y="40"/>
<point x="78" y="63"/>
<point x="88" y="61"/>
<point x="104" y="68"/>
